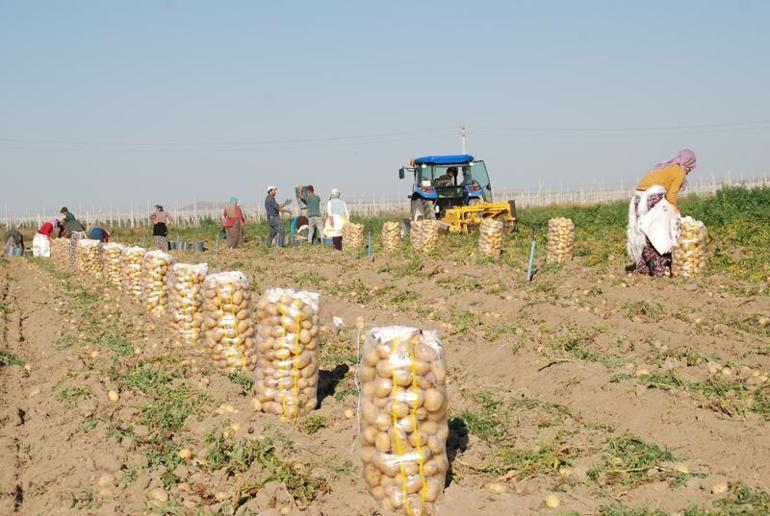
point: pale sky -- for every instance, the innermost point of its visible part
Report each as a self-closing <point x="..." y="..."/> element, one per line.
<point x="103" y="103"/>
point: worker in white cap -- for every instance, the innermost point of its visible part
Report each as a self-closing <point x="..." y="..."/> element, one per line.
<point x="273" y="211"/>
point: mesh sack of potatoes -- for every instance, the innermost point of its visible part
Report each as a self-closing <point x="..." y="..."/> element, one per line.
<point x="688" y="257"/>
<point x="132" y="271"/>
<point x="403" y="418"/>
<point x="60" y="248"/>
<point x="424" y="235"/>
<point x="185" y="303"/>
<point x="353" y="236"/>
<point x="229" y="331"/>
<point x="561" y="236"/>
<point x="288" y="346"/>
<point x="156" y="267"/>
<point x="391" y="236"/>
<point x="112" y="263"/>
<point x="491" y="237"/>
<point x="89" y="256"/>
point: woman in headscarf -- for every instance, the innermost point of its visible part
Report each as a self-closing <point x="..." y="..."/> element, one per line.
<point x="337" y="216"/>
<point x="160" y="222"/>
<point x="73" y="230"/>
<point x="41" y="242"/>
<point x="234" y="222"/>
<point x="665" y="181"/>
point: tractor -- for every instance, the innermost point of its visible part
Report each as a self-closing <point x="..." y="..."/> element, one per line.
<point x="455" y="190"/>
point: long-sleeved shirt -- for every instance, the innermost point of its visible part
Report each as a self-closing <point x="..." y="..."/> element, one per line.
<point x="46" y="229"/>
<point x="233" y="213"/>
<point x="272" y="207"/>
<point x="313" y="205"/>
<point x="71" y="224"/>
<point x="160" y="217"/>
<point x="671" y="178"/>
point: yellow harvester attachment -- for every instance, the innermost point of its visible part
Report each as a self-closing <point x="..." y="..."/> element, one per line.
<point x="464" y="219"/>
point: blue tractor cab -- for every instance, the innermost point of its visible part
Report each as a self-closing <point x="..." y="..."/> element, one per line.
<point x="442" y="182"/>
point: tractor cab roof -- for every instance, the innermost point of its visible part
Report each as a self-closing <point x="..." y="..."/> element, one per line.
<point x="455" y="159"/>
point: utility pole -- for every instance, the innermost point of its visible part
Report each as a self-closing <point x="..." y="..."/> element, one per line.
<point x="462" y="136"/>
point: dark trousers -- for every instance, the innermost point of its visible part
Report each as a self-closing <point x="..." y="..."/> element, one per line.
<point x="276" y="228"/>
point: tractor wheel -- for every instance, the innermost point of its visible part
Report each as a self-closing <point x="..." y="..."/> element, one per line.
<point x="422" y="209"/>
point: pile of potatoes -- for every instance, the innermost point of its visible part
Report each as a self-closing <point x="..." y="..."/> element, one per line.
<point x="60" y="249"/>
<point x="561" y="237"/>
<point x="132" y="271"/>
<point x="688" y="257"/>
<point x="424" y="235"/>
<point x="391" y="236"/>
<point x="185" y="303"/>
<point x="289" y="348"/>
<point x="112" y="258"/>
<point x="156" y="268"/>
<point x="89" y="256"/>
<point x="491" y="237"/>
<point x="403" y="418"/>
<point x="353" y="236"/>
<point x="228" y="326"/>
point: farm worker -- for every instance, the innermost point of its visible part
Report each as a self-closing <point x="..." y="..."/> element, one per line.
<point x="665" y="181"/>
<point x="315" y="222"/>
<point x="100" y="234"/>
<point x="13" y="239"/>
<point x="234" y="222"/>
<point x="273" y="210"/>
<point x="449" y="178"/>
<point x="41" y="242"/>
<point x="160" y="222"/>
<point x="337" y="216"/>
<point x="73" y="229"/>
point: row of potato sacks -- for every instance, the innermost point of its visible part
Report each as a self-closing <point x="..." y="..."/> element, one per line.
<point x="424" y="235"/>
<point x="491" y="237"/>
<point x="403" y="418"/>
<point x="688" y="257"/>
<point x="353" y="236"/>
<point x="403" y="407"/>
<point x="561" y="238"/>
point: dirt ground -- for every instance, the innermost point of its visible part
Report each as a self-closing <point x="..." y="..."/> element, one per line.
<point x="607" y="391"/>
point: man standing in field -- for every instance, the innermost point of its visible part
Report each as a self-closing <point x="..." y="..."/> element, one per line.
<point x="315" y="222"/>
<point x="273" y="210"/>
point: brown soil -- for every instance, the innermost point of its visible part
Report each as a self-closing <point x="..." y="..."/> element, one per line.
<point x="563" y="358"/>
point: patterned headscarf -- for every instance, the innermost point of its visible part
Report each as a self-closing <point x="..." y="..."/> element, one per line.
<point x="685" y="158"/>
<point x="334" y="194"/>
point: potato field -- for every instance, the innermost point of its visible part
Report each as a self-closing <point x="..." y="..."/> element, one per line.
<point x="587" y="391"/>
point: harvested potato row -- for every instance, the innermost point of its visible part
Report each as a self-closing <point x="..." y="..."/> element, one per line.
<point x="391" y="236"/>
<point x="561" y="237"/>
<point x="491" y="237"/>
<point x="89" y="256"/>
<point x="289" y="347"/>
<point x="229" y="331"/>
<point x="185" y="301"/>
<point x="132" y="272"/>
<point x="156" y="267"/>
<point x="403" y="418"/>
<point x="424" y="235"/>
<point x="112" y="258"/>
<point x="60" y="248"/>
<point x="688" y="257"/>
<point x="353" y="236"/>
